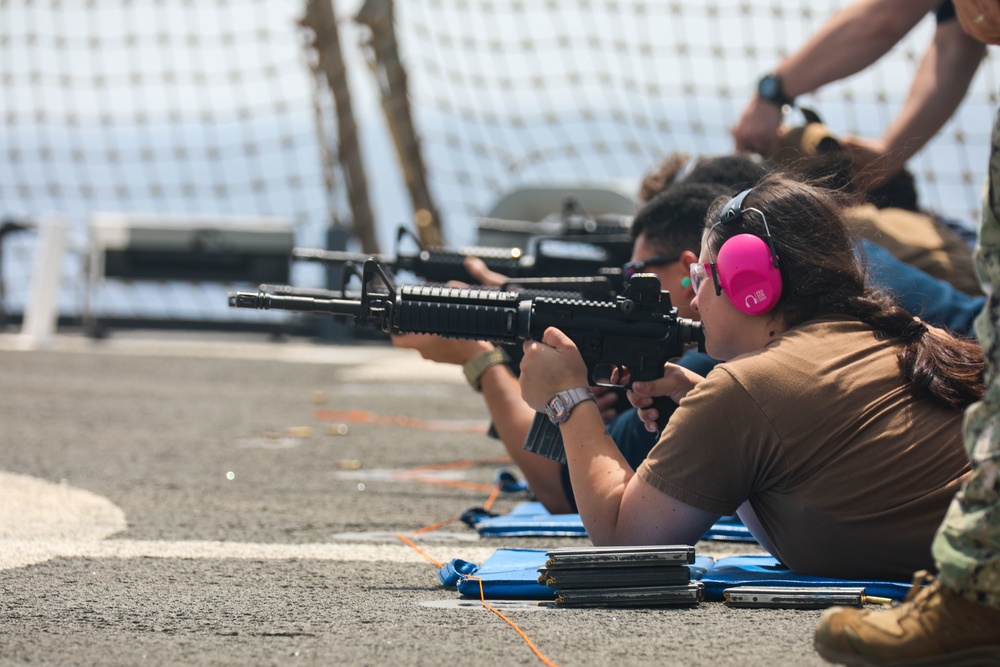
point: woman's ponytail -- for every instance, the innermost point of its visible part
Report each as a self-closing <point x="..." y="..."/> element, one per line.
<point x="940" y="365"/>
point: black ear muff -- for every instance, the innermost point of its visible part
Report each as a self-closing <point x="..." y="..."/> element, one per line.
<point x="746" y="267"/>
<point x="809" y="115"/>
<point x="827" y="145"/>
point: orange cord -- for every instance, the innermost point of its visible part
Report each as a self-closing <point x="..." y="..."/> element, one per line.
<point x="482" y="595"/>
<point x="434" y="526"/>
<point x="366" y="417"/>
<point x="413" y="475"/>
<point x="420" y="551"/>
<point x="524" y="636"/>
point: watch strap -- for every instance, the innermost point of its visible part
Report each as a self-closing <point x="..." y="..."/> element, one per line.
<point x="477" y="365"/>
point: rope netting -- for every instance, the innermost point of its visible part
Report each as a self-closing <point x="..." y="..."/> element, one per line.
<point x="198" y="109"/>
<point x="215" y="107"/>
<point x="516" y="92"/>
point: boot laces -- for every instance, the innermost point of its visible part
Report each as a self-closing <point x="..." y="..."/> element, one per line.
<point x="924" y="588"/>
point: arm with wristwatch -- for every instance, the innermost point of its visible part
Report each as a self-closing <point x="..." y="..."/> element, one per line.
<point x="854" y="38"/>
<point x="489" y="370"/>
<point x="939" y="85"/>
<point x="554" y="379"/>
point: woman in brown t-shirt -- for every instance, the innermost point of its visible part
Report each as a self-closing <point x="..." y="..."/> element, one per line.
<point x="833" y="428"/>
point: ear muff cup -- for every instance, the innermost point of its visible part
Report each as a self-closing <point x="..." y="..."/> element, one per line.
<point x="747" y="274"/>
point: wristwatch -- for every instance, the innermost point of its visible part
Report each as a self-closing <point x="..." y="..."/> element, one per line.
<point x="770" y="88"/>
<point x="561" y="404"/>
<point x="477" y="365"/>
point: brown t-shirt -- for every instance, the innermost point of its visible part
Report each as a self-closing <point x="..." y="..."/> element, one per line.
<point x="848" y="471"/>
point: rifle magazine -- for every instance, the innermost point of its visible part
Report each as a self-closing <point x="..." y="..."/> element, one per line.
<point x="545" y="439"/>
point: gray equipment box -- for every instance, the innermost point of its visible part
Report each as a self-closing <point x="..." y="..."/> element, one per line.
<point x="145" y="247"/>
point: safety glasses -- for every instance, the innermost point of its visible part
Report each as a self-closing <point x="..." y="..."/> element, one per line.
<point x="699" y="274"/>
<point x="632" y="268"/>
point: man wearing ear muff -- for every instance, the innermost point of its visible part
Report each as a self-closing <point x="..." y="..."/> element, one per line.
<point x="817" y="426"/>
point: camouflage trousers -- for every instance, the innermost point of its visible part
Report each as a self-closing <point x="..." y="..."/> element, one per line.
<point x="967" y="546"/>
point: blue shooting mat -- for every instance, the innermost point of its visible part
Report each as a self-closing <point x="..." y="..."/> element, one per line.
<point x="767" y="571"/>
<point x="531" y="519"/>
<point x="512" y="574"/>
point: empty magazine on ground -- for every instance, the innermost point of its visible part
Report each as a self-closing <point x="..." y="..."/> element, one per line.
<point x="590" y="577"/>
<point x="617" y="576"/>
<point x="597" y="557"/>
<point x="632" y="596"/>
<point x="788" y="597"/>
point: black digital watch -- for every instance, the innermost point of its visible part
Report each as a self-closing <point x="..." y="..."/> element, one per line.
<point x="769" y="88"/>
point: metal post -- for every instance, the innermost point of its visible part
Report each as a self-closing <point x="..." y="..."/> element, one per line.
<point x="41" y="311"/>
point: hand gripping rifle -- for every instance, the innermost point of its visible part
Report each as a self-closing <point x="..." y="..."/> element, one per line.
<point x="635" y="334"/>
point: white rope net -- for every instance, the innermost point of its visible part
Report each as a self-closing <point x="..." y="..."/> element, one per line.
<point x="210" y="108"/>
<point x="182" y="109"/>
<point x="511" y="92"/>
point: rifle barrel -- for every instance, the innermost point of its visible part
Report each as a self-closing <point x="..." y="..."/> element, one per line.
<point x="321" y="255"/>
<point x="265" y="301"/>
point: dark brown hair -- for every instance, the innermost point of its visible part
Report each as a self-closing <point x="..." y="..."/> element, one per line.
<point x="822" y="276"/>
<point x="672" y="220"/>
<point x="736" y="171"/>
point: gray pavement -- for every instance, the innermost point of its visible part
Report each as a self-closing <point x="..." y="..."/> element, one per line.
<point x="192" y="500"/>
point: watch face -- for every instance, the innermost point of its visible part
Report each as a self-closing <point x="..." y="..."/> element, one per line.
<point x="561" y="404"/>
<point x="556" y="407"/>
<point x="768" y="87"/>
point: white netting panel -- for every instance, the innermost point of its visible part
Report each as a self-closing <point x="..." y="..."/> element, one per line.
<point x="200" y="108"/>
<point x="208" y="108"/>
<point x="510" y="92"/>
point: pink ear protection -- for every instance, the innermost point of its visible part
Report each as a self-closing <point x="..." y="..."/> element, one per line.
<point x="747" y="265"/>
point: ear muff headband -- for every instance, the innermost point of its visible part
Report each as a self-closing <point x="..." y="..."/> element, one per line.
<point x="746" y="265"/>
<point x="733" y="209"/>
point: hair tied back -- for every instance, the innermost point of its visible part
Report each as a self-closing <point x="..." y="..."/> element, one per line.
<point x="914" y="331"/>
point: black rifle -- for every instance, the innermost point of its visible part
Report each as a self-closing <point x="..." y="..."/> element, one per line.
<point x="588" y="288"/>
<point x="607" y="224"/>
<point x="546" y="256"/>
<point x="634" y="334"/>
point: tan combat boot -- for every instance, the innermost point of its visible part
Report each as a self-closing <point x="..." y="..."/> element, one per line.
<point x="932" y="626"/>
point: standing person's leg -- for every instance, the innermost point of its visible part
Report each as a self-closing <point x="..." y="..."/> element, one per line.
<point x="955" y="618"/>
<point x="967" y="547"/>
